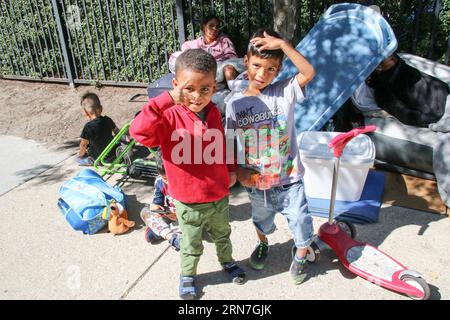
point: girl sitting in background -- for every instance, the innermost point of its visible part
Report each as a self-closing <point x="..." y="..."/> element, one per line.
<point x="218" y="45"/>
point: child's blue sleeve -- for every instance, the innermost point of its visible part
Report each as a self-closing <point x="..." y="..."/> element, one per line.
<point x="158" y="196"/>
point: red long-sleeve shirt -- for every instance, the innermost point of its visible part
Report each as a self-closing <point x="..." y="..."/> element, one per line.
<point x="181" y="135"/>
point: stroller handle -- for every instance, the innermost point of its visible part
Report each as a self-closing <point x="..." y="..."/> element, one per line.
<point x="339" y="142"/>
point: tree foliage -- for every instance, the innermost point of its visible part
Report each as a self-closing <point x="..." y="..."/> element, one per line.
<point x="130" y="40"/>
<point x="412" y="22"/>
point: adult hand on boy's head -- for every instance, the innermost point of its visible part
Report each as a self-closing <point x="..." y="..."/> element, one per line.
<point x="267" y="42"/>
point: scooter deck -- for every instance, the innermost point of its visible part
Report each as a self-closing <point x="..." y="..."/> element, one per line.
<point x="373" y="262"/>
<point x="345" y="46"/>
<point x="367" y="261"/>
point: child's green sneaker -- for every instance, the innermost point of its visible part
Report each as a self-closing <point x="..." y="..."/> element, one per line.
<point x="298" y="269"/>
<point x="259" y="256"/>
<point x="236" y="273"/>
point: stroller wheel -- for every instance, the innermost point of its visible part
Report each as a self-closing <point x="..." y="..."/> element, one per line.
<point x="127" y="157"/>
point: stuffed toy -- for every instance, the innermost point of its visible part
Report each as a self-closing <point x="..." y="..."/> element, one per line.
<point x="118" y="219"/>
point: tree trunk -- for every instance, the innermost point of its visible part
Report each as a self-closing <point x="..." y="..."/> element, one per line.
<point x="286" y="19"/>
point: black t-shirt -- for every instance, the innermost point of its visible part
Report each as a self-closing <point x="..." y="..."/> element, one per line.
<point x="99" y="134"/>
<point x="413" y="97"/>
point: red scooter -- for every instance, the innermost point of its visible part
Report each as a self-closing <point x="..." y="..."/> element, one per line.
<point x="363" y="259"/>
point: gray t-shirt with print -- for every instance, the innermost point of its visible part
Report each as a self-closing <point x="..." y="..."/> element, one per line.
<point x="264" y="129"/>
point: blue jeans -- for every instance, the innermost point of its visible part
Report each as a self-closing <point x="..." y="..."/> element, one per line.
<point x="290" y="201"/>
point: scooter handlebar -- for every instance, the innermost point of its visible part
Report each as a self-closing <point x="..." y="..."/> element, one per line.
<point x="339" y="142"/>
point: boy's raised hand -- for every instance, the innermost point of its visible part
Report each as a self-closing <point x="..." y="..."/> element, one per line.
<point x="177" y="92"/>
<point x="267" y="42"/>
<point x="306" y="70"/>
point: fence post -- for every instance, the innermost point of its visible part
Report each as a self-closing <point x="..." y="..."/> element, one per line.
<point x="447" y="54"/>
<point x="436" y="10"/>
<point x="180" y="20"/>
<point x="63" y="40"/>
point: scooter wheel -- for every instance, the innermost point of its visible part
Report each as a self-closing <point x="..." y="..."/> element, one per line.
<point x="313" y="253"/>
<point x="418" y="283"/>
<point x="347" y="227"/>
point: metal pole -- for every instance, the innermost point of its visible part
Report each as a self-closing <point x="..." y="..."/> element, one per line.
<point x="127" y="29"/>
<point x="147" y="43"/>
<point x="337" y="162"/>
<point x="106" y="40"/>
<point x="62" y="39"/>
<point x="191" y="18"/>
<point x="16" y="42"/>
<point x="447" y="54"/>
<point x="436" y="10"/>
<point x="155" y="41"/>
<point x="99" y="45"/>
<point x="90" y="40"/>
<point x="37" y="40"/>
<point x="163" y="33"/>
<point x="419" y="11"/>
<point x="111" y="31"/>
<point x="50" y="61"/>
<point x="180" y="20"/>
<point x="138" y="41"/>
<point x="120" y="37"/>
<point x="57" y="50"/>
<point x="21" y="18"/>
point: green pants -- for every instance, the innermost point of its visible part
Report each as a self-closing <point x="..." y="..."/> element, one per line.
<point x="192" y="219"/>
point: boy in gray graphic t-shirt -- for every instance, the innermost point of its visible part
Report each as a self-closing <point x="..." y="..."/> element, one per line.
<point x="260" y="119"/>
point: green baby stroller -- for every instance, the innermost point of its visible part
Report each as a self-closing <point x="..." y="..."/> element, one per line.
<point x="130" y="159"/>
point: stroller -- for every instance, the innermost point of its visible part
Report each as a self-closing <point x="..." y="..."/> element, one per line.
<point x="130" y="159"/>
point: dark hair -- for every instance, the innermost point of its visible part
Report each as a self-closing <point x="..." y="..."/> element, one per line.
<point x="197" y="60"/>
<point x="208" y="18"/>
<point x="159" y="164"/>
<point x="92" y="104"/>
<point x="265" y="54"/>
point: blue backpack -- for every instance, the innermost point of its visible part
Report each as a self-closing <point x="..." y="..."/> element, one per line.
<point x="85" y="201"/>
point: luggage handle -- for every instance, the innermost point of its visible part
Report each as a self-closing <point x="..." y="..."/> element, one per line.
<point x="339" y="142"/>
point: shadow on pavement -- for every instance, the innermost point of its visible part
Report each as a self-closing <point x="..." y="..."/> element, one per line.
<point x="69" y="144"/>
<point x="47" y="174"/>
<point x="278" y="261"/>
<point x="391" y="219"/>
<point x="279" y="258"/>
<point x="134" y="208"/>
<point x="241" y="212"/>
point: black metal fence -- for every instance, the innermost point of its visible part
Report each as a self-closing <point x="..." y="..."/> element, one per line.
<point x="127" y="42"/>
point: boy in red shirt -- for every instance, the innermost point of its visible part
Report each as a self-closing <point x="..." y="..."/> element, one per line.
<point x="188" y="127"/>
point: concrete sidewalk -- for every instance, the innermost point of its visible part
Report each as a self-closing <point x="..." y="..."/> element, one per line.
<point x="23" y="159"/>
<point x="43" y="258"/>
